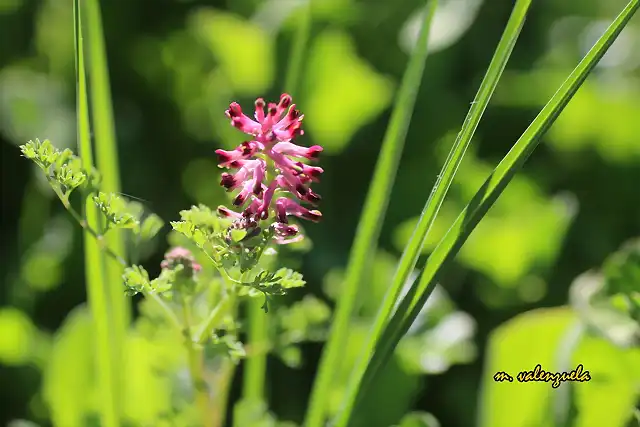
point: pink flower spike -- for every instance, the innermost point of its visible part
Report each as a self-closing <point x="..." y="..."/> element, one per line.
<point x="271" y="149"/>
<point x="291" y="149"/>
<point x="241" y="121"/>
<point x="312" y="172"/>
<point x="286" y="207"/>
<point x="228" y="213"/>
<point x="285" y="234"/>
<point x="258" y="176"/>
<point x="235" y="158"/>
<point x="267" y="198"/>
<point x="243" y="195"/>
<point x="259" y="115"/>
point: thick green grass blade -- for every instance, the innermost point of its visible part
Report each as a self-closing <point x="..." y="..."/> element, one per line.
<point x="107" y="162"/>
<point x="370" y="223"/>
<point x="412" y="251"/>
<point x="94" y="258"/>
<point x="255" y="374"/>
<point x="487" y="195"/>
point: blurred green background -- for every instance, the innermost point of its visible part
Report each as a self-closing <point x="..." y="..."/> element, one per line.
<point x="176" y="64"/>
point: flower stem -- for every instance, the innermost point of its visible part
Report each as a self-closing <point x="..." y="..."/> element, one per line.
<point x="85" y="225"/>
<point x="256" y="364"/>
<point x="196" y="366"/>
<point x="106" y="337"/>
<point x="223" y="386"/>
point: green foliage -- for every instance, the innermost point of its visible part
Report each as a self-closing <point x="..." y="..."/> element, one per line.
<point x="607" y="301"/>
<point x="115" y="211"/>
<point x="375" y="205"/>
<point x="419" y="419"/>
<point x="275" y="283"/>
<point x="229" y="346"/>
<point x="537" y="337"/>
<point x="256" y="414"/>
<point x="136" y="280"/>
<point x="303" y="321"/>
<point x="451" y="243"/>
<point x="62" y="168"/>
<point x="229" y="248"/>
<point x="622" y="278"/>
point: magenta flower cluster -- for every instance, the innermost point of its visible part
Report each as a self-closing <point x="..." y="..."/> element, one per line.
<point x="268" y="167"/>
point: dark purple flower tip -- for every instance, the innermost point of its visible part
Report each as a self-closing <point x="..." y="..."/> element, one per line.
<point x="234" y="110"/>
<point x="313" y="198"/>
<point x="314" y="151"/>
<point x="285" y="101"/>
<point x="313" y="215"/>
<point x="246" y="148"/>
<point x="240" y="199"/>
<point x="223" y="156"/>
<point x="227" y="213"/>
<point x="227" y="181"/>
<point x="293" y="114"/>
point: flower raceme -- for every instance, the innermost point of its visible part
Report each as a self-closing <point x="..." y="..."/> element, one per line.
<point x="269" y="167"/>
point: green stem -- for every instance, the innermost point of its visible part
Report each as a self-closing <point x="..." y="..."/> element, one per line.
<point x="85" y="225"/>
<point x="196" y="366"/>
<point x="256" y="364"/>
<point x="223" y="386"/>
<point x="228" y="368"/>
<point x="107" y="163"/>
<point x="213" y="319"/>
<point x="97" y="291"/>
<point x="168" y="312"/>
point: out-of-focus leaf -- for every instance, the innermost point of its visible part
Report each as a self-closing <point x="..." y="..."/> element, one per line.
<point x="68" y="383"/>
<point x="383" y="407"/>
<point x="534" y="338"/>
<point x="363" y="93"/>
<point x="151" y="226"/>
<point x="222" y="33"/>
<point x="17" y="336"/>
<point x="419" y="419"/>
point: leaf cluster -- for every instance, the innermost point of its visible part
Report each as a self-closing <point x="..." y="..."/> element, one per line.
<point x="63" y="169"/>
<point x="136" y="280"/>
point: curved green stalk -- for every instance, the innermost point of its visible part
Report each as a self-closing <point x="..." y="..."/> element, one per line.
<point x="94" y="258"/>
<point x="368" y="231"/>
<point x="430" y="211"/>
<point x="489" y="192"/>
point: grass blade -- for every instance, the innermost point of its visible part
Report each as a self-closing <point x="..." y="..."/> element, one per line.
<point x="258" y="321"/>
<point x="94" y="257"/>
<point x="373" y="213"/>
<point x="488" y="194"/>
<point x="107" y="163"/>
<point x="414" y="246"/>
